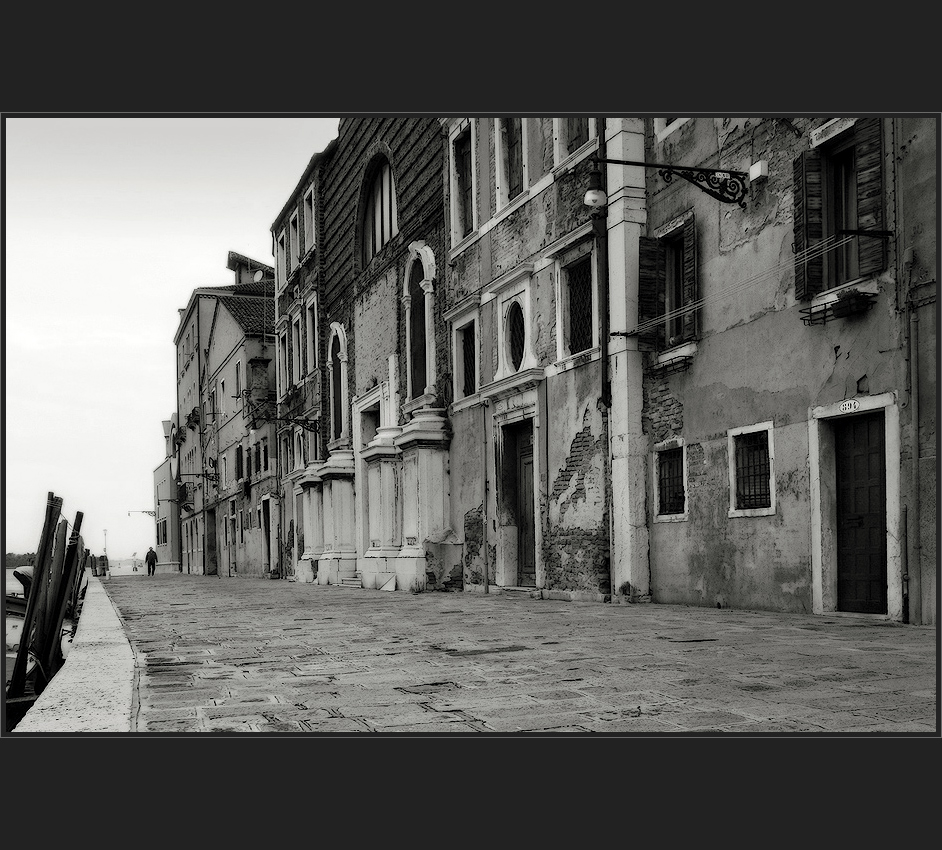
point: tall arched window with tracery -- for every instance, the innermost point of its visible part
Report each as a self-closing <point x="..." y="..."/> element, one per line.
<point x="380" y="220"/>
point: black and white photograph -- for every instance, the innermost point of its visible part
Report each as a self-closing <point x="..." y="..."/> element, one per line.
<point x="429" y="426"/>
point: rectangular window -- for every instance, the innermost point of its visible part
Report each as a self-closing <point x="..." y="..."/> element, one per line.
<point x="751" y="470"/>
<point x="222" y="398"/>
<point x="225" y="471"/>
<point x="295" y="246"/>
<point x="670" y="481"/>
<point x="577" y="133"/>
<point x="258" y="458"/>
<point x="309" y="219"/>
<point x="282" y="364"/>
<point x="281" y="257"/>
<point x="668" y="294"/>
<point x="311" y="330"/>
<point x="838" y="190"/>
<point x="296" y="351"/>
<point x="466" y="360"/>
<point x="579" y="322"/>
<point x="513" y="162"/>
<point x="241" y="526"/>
<point x="238" y="463"/>
<point x="238" y="381"/>
<point x="463" y="184"/>
<point x="265" y="454"/>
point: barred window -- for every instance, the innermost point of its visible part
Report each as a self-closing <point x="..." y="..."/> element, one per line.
<point x="579" y="285"/>
<point x="670" y="479"/>
<point x="752" y="470"/>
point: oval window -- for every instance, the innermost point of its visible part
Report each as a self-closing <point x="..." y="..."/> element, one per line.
<point x="516" y="333"/>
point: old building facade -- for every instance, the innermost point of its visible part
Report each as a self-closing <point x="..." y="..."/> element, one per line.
<point x="223" y="460"/>
<point x="671" y="395"/>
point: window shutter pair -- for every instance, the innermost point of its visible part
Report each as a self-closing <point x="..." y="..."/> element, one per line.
<point x="653" y="283"/>
<point x="809" y="188"/>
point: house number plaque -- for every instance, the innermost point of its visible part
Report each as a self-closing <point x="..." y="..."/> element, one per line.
<point x="850" y="405"/>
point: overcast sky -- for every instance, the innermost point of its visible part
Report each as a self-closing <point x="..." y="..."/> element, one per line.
<point x="110" y="225"/>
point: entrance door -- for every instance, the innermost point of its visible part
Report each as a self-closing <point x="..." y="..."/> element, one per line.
<point x="526" y="560"/>
<point x="266" y="535"/>
<point x="861" y="514"/>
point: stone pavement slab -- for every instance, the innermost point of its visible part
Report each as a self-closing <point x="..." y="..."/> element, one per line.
<point x="242" y="655"/>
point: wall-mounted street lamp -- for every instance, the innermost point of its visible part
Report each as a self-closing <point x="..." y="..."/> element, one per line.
<point x="259" y="413"/>
<point x="726" y="186"/>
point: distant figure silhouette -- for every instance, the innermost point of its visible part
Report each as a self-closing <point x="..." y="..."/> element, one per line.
<point x="151" y="560"/>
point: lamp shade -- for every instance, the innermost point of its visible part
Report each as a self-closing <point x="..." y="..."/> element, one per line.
<point x="595" y="195"/>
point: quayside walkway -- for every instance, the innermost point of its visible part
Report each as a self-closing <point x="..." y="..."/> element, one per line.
<point x="199" y="654"/>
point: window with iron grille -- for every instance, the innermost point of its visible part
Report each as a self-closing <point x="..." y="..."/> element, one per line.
<point x="464" y="184"/>
<point x="516" y="333"/>
<point x="579" y="323"/>
<point x="577" y="133"/>
<point x="468" y="350"/>
<point x="670" y="480"/>
<point x="753" y="466"/>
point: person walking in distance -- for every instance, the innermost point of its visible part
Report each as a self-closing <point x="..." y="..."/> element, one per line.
<point x="151" y="560"/>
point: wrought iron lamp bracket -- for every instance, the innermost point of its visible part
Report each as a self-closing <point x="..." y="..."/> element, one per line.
<point x="728" y="187"/>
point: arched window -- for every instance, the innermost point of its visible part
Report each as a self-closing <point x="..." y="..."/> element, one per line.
<point x="336" y="409"/>
<point x="380" y="219"/>
<point x="417" y="330"/>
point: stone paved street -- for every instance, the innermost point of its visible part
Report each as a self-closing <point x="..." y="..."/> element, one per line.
<point x="254" y="655"/>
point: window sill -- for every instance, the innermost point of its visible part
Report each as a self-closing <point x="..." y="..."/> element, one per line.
<point x="671" y="517"/>
<point x="571" y="160"/>
<point x="574" y="361"/>
<point x="748" y="512"/>
<point x="463" y="243"/>
<point x="465" y="403"/>
<point x="512" y="206"/>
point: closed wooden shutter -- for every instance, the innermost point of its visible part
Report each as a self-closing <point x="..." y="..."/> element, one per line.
<point x="691" y="319"/>
<point x="651" y="279"/>
<point x="809" y="224"/>
<point x="868" y="152"/>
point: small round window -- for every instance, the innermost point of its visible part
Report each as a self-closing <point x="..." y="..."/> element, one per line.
<point x="516" y="332"/>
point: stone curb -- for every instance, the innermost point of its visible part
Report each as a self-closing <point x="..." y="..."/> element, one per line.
<point x="93" y="691"/>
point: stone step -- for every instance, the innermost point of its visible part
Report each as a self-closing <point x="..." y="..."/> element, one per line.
<point x="351" y="581"/>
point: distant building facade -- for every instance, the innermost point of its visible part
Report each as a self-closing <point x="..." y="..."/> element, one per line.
<point x="223" y="462"/>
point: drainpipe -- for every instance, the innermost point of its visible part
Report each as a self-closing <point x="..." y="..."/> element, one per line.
<point x="600" y="227"/>
<point x="912" y="577"/>
<point x="484" y="405"/>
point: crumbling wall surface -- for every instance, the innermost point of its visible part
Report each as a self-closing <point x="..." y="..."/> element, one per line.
<point x="375" y="317"/>
<point x="575" y="546"/>
<point x="761" y="562"/>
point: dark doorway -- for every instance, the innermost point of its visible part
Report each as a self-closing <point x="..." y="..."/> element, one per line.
<point x="860" y="458"/>
<point x="526" y="549"/>
<point x="266" y="535"/>
<point x="210" y="565"/>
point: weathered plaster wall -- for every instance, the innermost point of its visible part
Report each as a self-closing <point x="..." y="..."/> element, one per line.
<point x="755" y="361"/>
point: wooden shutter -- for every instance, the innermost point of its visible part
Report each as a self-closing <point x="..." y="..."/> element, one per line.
<point x="651" y="279"/>
<point x="809" y="223"/>
<point x="691" y="319"/>
<point x="868" y="152"/>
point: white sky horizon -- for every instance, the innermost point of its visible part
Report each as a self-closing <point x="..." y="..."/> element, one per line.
<point x="111" y="223"/>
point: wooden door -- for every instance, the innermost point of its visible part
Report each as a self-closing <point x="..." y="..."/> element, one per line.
<point x="526" y="536"/>
<point x="861" y="514"/>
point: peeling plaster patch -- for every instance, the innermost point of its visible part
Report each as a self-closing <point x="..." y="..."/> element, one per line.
<point x="582" y="452"/>
<point x="473" y="538"/>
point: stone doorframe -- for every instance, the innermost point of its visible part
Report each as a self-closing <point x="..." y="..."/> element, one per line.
<point x="821" y="456"/>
